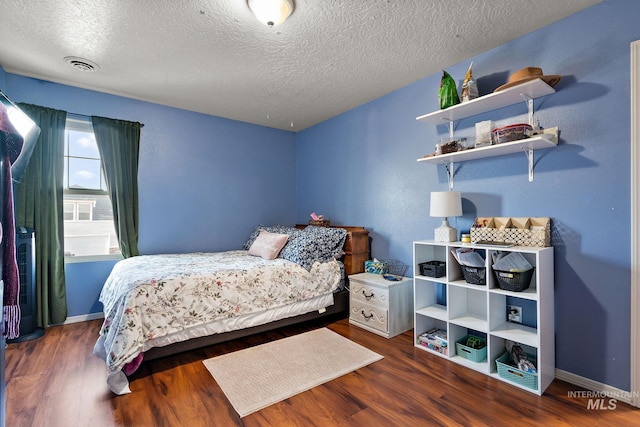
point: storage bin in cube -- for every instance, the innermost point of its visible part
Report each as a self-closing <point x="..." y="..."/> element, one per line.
<point x="474" y="275"/>
<point x="508" y="371"/>
<point x="433" y="268"/>
<point x="472" y="348"/>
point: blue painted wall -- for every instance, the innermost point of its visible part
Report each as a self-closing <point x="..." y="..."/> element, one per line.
<point x="84" y="282"/>
<point x="360" y="169"/>
<point x="205" y="182"/>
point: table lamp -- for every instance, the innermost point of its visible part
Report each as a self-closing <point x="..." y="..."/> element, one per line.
<point x="445" y="204"/>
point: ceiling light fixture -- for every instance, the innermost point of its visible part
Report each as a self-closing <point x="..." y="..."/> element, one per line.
<point x="271" y="12"/>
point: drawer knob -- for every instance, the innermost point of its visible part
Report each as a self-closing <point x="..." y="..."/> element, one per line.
<point x="367" y="297"/>
<point x="365" y="315"/>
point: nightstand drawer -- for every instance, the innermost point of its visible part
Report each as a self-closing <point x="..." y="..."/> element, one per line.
<point x="365" y="314"/>
<point x="371" y="295"/>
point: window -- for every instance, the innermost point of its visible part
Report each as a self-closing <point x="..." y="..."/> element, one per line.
<point x="78" y="209"/>
<point x="88" y="217"/>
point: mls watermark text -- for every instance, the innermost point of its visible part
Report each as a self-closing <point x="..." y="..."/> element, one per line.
<point x="603" y="400"/>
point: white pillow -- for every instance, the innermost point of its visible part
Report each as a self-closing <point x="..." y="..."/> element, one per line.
<point x="268" y="245"/>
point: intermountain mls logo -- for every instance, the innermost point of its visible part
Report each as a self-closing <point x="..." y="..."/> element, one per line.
<point x="602" y="400"/>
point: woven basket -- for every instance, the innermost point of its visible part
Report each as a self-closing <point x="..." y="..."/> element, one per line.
<point x="474" y="275"/>
<point x="433" y="268"/>
<point x="395" y="267"/>
<point x="509" y="372"/>
<point x="514" y="281"/>
<point x="473" y="354"/>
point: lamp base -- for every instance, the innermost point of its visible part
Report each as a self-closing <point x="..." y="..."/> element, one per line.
<point x="445" y="233"/>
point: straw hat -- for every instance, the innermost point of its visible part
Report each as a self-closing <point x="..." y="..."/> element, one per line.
<point x="529" y="73"/>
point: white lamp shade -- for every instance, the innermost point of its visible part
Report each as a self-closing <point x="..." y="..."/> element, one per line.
<point x="445" y="204"/>
<point x="271" y="12"/>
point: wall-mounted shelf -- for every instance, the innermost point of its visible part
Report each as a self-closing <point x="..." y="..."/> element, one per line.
<point x="538" y="142"/>
<point x="526" y="92"/>
<point x="513" y="95"/>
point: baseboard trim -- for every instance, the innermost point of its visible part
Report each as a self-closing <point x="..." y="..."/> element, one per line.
<point x="83" y="318"/>
<point x="595" y="386"/>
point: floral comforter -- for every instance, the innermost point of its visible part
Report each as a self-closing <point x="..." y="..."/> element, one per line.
<point x="151" y="296"/>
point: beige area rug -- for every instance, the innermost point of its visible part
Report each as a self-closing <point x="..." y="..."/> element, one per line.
<point x="257" y="377"/>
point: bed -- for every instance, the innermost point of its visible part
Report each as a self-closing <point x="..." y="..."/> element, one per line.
<point x="157" y="305"/>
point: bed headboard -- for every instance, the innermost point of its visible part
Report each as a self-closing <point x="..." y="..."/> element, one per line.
<point x="356" y="248"/>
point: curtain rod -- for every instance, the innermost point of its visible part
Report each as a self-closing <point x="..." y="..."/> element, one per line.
<point x="86" y="117"/>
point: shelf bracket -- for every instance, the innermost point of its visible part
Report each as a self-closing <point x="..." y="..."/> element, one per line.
<point x="450" y="172"/>
<point x="529" y="153"/>
<point x="450" y="124"/>
<point x="529" y="101"/>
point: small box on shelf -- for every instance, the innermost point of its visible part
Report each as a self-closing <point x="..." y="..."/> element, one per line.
<point x="483" y="133"/>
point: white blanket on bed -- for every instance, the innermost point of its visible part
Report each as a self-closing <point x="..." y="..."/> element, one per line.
<point x="153" y="296"/>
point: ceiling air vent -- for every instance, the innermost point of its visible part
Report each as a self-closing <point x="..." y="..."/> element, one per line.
<point x="81" y="64"/>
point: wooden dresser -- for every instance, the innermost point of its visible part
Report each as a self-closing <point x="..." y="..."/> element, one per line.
<point x="356" y="248"/>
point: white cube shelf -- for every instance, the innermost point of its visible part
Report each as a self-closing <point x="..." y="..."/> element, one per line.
<point x="460" y="308"/>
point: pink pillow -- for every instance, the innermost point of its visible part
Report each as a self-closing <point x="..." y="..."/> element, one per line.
<point x="268" y="245"/>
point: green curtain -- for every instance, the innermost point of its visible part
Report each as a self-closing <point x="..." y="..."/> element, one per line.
<point x="39" y="205"/>
<point x="119" y="145"/>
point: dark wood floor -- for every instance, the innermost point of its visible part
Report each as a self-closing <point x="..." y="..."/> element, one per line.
<point x="56" y="381"/>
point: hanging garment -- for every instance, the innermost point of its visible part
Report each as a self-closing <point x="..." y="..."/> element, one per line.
<point x="11" y="144"/>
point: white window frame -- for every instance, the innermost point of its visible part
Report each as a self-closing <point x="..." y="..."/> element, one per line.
<point x="84" y="125"/>
<point x="76" y="209"/>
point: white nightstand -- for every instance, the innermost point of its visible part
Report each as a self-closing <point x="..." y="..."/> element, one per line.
<point x="381" y="306"/>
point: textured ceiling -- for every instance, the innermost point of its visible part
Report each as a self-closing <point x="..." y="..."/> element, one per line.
<point x="214" y="57"/>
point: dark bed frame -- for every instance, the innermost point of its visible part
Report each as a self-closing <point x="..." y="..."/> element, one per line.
<point x="339" y="309"/>
<point x="356" y="249"/>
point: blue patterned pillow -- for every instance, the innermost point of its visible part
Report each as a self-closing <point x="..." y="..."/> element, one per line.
<point x="278" y="229"/>
<point x="315" y="244"/>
